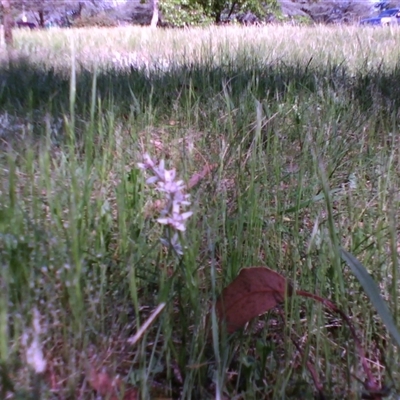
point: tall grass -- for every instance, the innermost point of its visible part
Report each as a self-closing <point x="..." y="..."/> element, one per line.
<point x="269" y="109"/>
<point x="357" y="48"/>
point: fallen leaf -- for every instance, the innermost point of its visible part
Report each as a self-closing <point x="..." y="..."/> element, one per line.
<point x="157" y="144"/>
<point x="254" y="292"/>
<point x="110" y="388"/>
<point x="198" y="176"/>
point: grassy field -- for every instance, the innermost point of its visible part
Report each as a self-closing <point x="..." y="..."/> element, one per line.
<point x="296" y="129"/>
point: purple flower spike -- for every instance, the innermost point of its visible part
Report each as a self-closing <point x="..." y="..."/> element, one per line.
<point x="172" y="215"/>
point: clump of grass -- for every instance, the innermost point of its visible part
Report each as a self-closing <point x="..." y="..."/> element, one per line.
<point x="78" y="234"/>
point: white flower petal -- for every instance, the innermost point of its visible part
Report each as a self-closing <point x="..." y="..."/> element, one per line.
<point x="161" y="186"/>
<point x="164" y="242"/>
<point x="167" y="176"/>
<point x="172" y="174"/>
<point x="175" y="207"/>
<point x="173" y="188"/>
<point x="180" y="227"/>
<point x="178" y="249"/>
<point x="161" y="167"/>
<point x="174" y="243"/>
<point x="178" y="196"/>
<point x="147" y="160"/>
<point x="34" y="356"/>
<point x="175" y="238"/>
<point x="186" y="215"/>
<point x="163" y="221"/>
<point x="152" y="179"/>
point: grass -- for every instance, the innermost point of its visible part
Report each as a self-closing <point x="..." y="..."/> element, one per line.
<point x="275" y="110"/>
<point x="358" y="48"/>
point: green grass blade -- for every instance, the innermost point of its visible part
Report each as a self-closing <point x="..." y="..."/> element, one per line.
<point x="307" y="203"/>
<point x="372" y="291"/>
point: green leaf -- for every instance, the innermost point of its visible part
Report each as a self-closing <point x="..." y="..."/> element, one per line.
<point x="372" y="291"/>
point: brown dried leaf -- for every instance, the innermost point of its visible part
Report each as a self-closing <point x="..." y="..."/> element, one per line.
<point x="110" y="388"/>
<point x="154" y="208"/>
<point x="254" y="292"/>
<point x="198" y="176"/>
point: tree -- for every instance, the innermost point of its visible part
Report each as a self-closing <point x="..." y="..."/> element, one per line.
<point x="44" y="8"/>
<point x="154" y="18"/>
<point x="217" y="8"/>
<point x="181" y="13"/>
<point x="7" y="22"/>
<point x="193" y="12"/>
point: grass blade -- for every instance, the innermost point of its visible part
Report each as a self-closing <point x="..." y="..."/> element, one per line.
<point x="308" y="202"/>
<point x="372" y="291"/>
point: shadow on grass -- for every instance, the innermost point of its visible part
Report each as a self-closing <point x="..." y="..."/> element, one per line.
<point x="24" y="87"/>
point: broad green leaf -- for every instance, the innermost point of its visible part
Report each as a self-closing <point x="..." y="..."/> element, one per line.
<point x="372" y="291"/>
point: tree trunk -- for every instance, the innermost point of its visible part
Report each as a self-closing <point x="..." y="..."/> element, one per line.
<point x="231" y="10"/>
<point x="79" y="12"/>
<point x="7" y="22"/>
<point x="154" y="19"/>
<point x="41" y="18"/>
